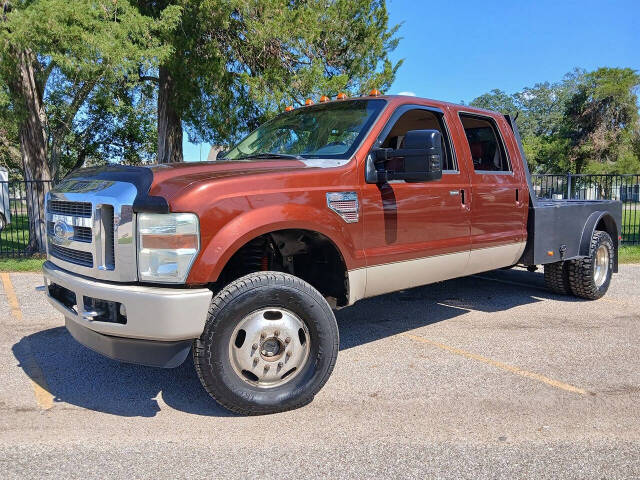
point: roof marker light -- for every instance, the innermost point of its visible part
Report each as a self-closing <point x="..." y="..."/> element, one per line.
<point x="341" y="96"/>
<point x="324" y="99"/>
<point x="308" y="101"/>
<point x="375" y="93"/>
<point x="288" y="109"/>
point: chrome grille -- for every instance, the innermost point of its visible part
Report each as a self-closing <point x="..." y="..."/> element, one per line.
<point x="72" y="209"/>
<point x="90" y="228"/>
<point x="80" y="234"/>
<point x="70" y="255"/>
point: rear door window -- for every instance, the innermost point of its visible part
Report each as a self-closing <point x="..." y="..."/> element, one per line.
<point x="485" y="144"/>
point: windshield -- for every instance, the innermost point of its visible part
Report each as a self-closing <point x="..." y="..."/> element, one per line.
<point x="331" y="130"/>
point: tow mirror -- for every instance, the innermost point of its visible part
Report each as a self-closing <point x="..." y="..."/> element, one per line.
<point x="421" y="159"/>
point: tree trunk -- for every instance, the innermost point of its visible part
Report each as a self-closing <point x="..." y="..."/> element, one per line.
<point x="169" y="123"/>
<point x="33" y="146"/>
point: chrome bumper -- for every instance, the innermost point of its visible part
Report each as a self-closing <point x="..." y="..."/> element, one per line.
<point x="152" y="313"/>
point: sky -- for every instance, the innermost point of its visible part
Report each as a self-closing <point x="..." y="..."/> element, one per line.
<point x="457" y="50"/>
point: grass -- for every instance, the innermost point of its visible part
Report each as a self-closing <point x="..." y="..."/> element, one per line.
<point x="21" y="264"/>
<point x="629" y="254"/>
<point x="15" y="236"/>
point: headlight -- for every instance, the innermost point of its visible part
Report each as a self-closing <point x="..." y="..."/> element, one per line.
<point x="167" y="246"/>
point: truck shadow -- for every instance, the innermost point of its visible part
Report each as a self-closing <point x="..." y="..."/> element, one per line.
<point x="76" y="375"/>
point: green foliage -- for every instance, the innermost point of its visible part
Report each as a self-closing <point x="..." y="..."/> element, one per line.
<point x="588" y="123"/>
<point x="237" y="62"/>
<point x="9" y="142"/>
<point x="87" y="56"/>
<point x="600" y="119"/>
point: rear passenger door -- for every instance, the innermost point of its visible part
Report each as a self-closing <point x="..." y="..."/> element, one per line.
<point x="498" y="209"/>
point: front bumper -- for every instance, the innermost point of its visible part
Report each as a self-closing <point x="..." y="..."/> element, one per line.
<point x="156" y="314"/>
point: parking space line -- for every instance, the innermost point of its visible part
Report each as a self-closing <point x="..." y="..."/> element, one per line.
<point x="44" y="399"/>
<point x="495" y="363"/>
<point x="12" y="300"/>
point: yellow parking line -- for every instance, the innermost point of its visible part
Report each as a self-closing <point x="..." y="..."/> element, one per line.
<point x="503" y="366"/>
<point x="11" y="296"/>
<point x="29" y="364"/>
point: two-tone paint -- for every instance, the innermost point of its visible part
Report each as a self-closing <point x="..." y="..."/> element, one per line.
<point x="408" y="233"/>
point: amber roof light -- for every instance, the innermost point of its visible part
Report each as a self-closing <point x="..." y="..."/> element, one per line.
<point x="288" y="109"/>
<point x="375" y="93"/>
<point x="341" y="96"/>
<point x="308" y="101"/>
<point x="324" y="99"/>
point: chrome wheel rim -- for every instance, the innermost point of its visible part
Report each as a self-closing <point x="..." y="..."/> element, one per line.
<point x="269" y="347"/>
<point x="601" y="266"/>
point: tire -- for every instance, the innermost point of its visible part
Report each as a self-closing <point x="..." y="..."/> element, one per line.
<point x="556" y="277"/>
<point x="588" y="277"/>
<point x="221" y="350"/>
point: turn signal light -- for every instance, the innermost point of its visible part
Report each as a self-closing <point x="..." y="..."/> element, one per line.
<point x="341" y="96"/>
<point x="169" y="242"/>
<point x="550" y="253"/>
<point x="288" y="109"/>
<point x="375" y="93"/>
<point x="324" y="98"/>
<point x="308" y="101"/>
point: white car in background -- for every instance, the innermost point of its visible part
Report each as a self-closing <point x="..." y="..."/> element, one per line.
<point x="5" y="212"/>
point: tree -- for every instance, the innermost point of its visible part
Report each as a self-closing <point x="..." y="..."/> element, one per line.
<point x="54" y="54"/>
<point x="117" y="124"/>
<point x="601" y="118"/>
<point x="496" y="100"/>
<point x="588" y="122"/>
<point x="236" y="62"/>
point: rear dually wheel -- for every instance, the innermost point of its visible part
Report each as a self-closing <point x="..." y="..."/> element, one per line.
<point x="589" y="277"/>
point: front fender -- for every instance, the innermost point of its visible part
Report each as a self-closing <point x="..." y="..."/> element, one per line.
<point x="253" y="223"/>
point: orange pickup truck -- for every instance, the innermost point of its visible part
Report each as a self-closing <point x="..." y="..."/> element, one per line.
<point x="243" y="260"/>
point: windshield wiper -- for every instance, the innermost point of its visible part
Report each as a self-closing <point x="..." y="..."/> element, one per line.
<point x="267" y="155"/>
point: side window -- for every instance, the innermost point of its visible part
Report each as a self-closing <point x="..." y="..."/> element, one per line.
<point x="420" y="119"/>
<point x="487" y="151"/>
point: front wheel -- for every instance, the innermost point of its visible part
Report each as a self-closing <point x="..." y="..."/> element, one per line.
<point x="269" y="344"/>
<point x="589" y="277"/>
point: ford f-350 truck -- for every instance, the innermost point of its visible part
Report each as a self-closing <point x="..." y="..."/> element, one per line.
<point x="243" y="260"/>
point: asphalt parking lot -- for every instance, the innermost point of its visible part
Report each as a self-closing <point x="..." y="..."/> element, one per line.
<point x="488" y="376"/>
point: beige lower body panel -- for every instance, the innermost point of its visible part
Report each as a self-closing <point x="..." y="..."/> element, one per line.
<point x="391" y="277"/>
<point x="491" y="258"/>
<point x="153" y="313"/>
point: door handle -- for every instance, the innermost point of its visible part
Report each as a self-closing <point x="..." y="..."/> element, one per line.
<point x="464" y="200"/>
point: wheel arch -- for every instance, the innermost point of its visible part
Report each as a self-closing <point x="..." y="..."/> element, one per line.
<point x="245" y="228"/>
<point x="605" y="222"/>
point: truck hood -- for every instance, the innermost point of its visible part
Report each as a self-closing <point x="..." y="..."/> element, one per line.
<point x="158" y="185"/>
<point x="170" y="179"/>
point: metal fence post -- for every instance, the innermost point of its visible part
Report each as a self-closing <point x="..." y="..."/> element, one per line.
<point x="569" y="186"/>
